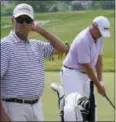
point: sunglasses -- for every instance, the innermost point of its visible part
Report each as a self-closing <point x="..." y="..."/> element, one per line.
<point x="21" y="20"/>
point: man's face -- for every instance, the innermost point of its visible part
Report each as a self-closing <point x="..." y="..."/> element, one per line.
<point x="23" y="24"/>
<point x="98" y="32"/>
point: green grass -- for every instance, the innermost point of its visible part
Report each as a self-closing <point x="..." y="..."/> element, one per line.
<point x="50" y="106"/>
<point x="66" y="27"/>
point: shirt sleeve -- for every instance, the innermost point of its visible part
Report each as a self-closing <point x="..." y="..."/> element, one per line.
<point x="83" y="52"/>
<point x="4" y="57"/>
<point x="48" y="49"/>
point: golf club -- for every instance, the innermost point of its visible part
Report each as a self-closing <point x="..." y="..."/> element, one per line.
<point x="109" y="101"/>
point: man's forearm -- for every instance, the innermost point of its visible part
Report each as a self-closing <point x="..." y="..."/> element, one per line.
<point x="93" y="77"/>
<point x="3" y="116"/>
<point x="91" y="73"/>
<point x="2" y="111"/>
<point x="99" y="67"/>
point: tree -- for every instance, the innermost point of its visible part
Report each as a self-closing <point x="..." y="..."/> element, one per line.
<point x="39" y="6"/>
<point x="53" y="8"/>
<point x="6" y="9"/>
<point x="95" y="5"/>
<point x="107" y="4"/>
<point x="102" y="5"/>
<point x="77" y="6"/>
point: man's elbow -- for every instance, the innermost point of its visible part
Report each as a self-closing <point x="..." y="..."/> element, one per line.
<point x="64" y="49"/>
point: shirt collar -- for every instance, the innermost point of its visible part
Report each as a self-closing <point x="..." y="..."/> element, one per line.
<point x="16" y="38"/>
<point x="89" y="35"/>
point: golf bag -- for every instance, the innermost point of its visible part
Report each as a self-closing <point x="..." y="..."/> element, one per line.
<point x="73" y="107"/>
<point x="84" y="108"/>
<point x="88" y="112"/>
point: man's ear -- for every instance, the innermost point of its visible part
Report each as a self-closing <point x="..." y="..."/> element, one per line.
<point x="33" y="22"/>
<point x="13" y="21"/>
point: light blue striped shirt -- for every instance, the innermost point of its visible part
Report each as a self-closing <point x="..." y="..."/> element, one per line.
<point x="22" y="67"/>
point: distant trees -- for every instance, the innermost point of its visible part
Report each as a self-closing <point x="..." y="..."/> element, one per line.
<point x="54" y="6"/>
<point x="39" y="6"/>
<point x="6" y="9"/>
<point x="79" y="5"/>
<point x="107" y="4"/>
<point x="103" y="4"/>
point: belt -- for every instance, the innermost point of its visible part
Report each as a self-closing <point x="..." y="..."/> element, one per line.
<point x="68" y="67"/>
<point x="20" y="100"/>
<point x="74" y="69"/>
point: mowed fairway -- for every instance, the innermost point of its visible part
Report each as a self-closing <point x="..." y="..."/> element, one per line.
<point x="50" y="101"/>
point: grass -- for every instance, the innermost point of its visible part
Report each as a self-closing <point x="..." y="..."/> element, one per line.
<point x="66" y="27"/>
<point x="50" y="101"/>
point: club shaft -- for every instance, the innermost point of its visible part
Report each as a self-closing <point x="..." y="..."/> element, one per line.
<point x="109" y="101"/>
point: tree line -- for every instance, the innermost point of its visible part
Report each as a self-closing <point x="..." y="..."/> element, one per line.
<point x="54" y="6"/>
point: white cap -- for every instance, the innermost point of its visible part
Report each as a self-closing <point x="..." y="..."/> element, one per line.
<point x="23" y="9"/>
<point x="103" y="25"/>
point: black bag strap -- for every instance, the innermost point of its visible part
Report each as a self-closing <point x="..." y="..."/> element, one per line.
<point x="91" y="116"/>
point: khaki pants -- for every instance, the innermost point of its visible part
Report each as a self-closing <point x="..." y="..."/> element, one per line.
<point x="24" y="112"/>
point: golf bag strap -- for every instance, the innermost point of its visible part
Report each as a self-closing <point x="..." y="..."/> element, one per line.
<point x="91" y="116"/>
